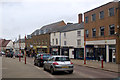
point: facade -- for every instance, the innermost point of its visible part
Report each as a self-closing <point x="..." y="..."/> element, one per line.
<point x="55" y="42"/>
<point x="6" y="45"/>
<point x="72" y="40"/>
<point x="68" y="40"/>
<point x="20" y="45"/>
<point x="101" y="26"/>
<point x="39" y="41"/>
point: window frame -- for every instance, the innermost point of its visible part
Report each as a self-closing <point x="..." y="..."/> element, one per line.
<point x="102" y="31"/>
<point x="93" y="17"/>
<point x="93" y="33"/>
<point x="112" y="29"/>
<point x="86" y="19"/>
<point x="109" y="13"/>
<point x="78" y="42"/>
<point x="100" y="16"/>
<point x="87" y="35"/>
<point x="78" y="33"/>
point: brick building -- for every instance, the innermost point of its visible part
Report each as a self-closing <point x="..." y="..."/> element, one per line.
<point x="102" y="29"/>
<point x="39" y="41"/>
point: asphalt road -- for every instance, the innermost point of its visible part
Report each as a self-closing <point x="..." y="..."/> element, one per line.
<point x="12" y="68"/>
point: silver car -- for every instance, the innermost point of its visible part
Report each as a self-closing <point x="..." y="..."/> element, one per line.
<point x="58" y="63"/>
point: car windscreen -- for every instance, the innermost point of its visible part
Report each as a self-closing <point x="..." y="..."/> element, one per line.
<point x="62" y="59"/>
<point x="46" y="55"/>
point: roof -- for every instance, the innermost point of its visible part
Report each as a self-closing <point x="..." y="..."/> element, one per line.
<point x="53" y="27"/>
<point x="71" y="27"/>
<point x="100" y="6"/>
<point x="3" y="42"/>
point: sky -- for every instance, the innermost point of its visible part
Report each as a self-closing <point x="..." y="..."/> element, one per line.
<point x="22" y="17"/>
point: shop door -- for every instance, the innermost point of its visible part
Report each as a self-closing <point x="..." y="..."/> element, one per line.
<point x="110" y="55"/>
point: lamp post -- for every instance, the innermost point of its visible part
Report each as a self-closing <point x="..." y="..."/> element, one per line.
<point x="19" y="49"/>
<point x="84" y="48"/>
<point x="25" y="49"/>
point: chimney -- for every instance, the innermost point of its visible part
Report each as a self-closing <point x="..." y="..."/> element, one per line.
<point x="79" y="18"/>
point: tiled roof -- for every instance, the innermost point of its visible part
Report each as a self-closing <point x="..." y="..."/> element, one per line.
<point x="71" y="27"/>
<point x="3" y="42"/>
<point x="53" y="27"/>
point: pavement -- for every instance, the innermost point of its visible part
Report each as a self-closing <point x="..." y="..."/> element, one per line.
<point x="113" y="67"/>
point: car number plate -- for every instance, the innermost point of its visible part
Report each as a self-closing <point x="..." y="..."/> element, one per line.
<point x="65" y="67"/>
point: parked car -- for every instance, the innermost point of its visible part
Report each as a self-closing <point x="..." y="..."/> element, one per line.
<point x="17" y="54"/>
<point x="9" y="54"/>
<point x="3" y="53"/>
<point x="40" y="58"/>
<point x="58" y="63"/>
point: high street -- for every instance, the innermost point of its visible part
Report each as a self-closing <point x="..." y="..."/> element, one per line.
<point x="12" y="68"/>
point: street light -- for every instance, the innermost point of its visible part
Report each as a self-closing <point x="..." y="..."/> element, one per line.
<point x="25" y="49"/>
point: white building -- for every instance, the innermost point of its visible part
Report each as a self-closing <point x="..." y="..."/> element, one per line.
<point x="68" y="40"/>
<point x="18" y="46"/>
<point x="72" y="40"/>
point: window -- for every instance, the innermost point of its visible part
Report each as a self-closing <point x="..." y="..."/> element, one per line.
<point x="111" y="11"/>
<point x="86" y="19"/>
<point x="65" y="35"/>
<point x="112" y="29"/>
<point x="94" y="32"/>
<point x="102" y="31"/>
<point x="78" y="33"/>
<point x="78" y="42"/>
<point x="56" y="41"/>
<point x="65" y="43"/>
<point x="87" y="33"/>
<point x="93" y="17"/>
<point x="53" y="41"/>
<point x="54" y="34"/>
<point x="101" y="14"/>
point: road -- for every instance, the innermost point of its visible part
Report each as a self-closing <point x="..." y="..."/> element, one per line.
<point x="12" y="68"/>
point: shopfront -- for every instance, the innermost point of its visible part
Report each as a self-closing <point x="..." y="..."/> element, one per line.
<point x="65" y="51"/>
<point x="79" y="53"/>
<point x="55" y="50"/>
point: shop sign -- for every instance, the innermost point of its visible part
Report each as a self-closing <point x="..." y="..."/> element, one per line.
<point x="54" y="49"/>
<point x="41" y="46"/>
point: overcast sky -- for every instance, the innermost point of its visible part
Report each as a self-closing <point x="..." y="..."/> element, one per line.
<point x="24" y="16"/>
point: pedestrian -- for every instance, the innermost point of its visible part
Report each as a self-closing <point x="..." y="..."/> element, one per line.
<point x="114" y="57"/>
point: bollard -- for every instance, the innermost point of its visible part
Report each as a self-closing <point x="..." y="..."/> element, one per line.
<point x="102" y="63"/>
<point x="25" y="59"/>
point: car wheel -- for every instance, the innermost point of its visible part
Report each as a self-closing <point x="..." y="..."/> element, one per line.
<point x="44" y="68"/>
<point x="71" y="71"/>
<point x="34" y="63"/>
<point x="52" y="71"/>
